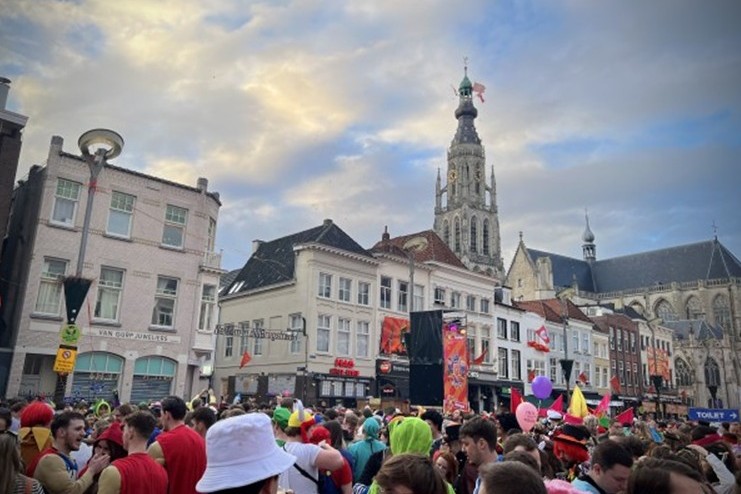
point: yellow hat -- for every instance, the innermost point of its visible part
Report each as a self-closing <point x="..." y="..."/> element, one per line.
<point x="295" y="421"/>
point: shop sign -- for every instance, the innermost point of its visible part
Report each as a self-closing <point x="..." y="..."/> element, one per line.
<point x="344" y="367"/>
<point x="120" y="334"/>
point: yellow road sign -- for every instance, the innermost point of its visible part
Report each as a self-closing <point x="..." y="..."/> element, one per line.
<point x="65" y="361"/>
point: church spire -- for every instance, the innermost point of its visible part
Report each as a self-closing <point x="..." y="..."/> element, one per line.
<point x="466" y="112"/>
<point x="588" y="248"/>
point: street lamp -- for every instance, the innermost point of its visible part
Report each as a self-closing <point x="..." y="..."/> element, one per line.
<point x="656" y="378"/>
<point x="97" y="146"/>
<point x="566" y="364"/>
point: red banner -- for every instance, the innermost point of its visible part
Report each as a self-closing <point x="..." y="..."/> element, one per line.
<point x="658" y="362"/>
<point x="455" y="372"/>
<point x="392" y="331"/>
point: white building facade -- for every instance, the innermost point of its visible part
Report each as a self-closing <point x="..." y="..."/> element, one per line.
<point x="147" y="322"/>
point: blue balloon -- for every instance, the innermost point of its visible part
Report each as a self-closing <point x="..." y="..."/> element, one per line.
<point x="542" y="387"/>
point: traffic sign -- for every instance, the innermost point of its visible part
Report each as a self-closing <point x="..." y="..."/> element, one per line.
<point x="65" y="361"/>
<point x="713" y="414"/>
<point x="69" y="334"/>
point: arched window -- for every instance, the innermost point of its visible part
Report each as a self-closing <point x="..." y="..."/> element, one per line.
<point x="457" y="235"/>
<point x="722" y="312"/>
<point x="446" y="232"/>
<point x="485" y="237"/>
<point x="474" y="234"/>
<point x="665" y="311"/>
<point x="693" y="308"/>
<point x="712" y="372"/>
<point x="684" y="373"/>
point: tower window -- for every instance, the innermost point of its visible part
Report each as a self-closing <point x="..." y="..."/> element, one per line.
<point x="474" y="235"/>
<point x="446" y="232"/>
<point x="485" y="237"/>
<point x="457" y="235"/>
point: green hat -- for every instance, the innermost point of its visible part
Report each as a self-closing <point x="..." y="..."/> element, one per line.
<point x="281" y="416"/>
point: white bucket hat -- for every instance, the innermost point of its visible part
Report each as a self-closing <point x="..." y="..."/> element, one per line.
<point x="240" y="451"/>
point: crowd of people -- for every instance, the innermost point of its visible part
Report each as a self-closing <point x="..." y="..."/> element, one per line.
<point x="178" y="447"/>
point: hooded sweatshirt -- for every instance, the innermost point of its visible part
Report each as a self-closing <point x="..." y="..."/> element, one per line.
<point x="361" y="451"/>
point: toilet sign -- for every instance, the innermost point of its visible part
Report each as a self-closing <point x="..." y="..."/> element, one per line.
<point x="713" y="414"/>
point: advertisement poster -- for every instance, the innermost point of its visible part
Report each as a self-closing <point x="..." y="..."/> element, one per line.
<point x="658" y="362"/>
<point x="392" y="336"/>
<point x="455" y="371"/>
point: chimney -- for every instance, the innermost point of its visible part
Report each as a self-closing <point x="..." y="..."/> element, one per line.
<point x="385" y="237"/>
<point x="202" y="184"/>
<point x="4" y="89"/>
<point x="256" y="245"/>
<point x="327" y="222"/>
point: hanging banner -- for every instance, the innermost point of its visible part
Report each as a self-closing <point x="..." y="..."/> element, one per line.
<point x="392" y="336"/>
<point x="658" y="362"/>
<point x="455" y="371"/>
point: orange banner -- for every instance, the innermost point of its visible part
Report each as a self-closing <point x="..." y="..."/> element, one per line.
<point x="455" y="372"/>
<point x="392" y="336"/>
<point x="658" y="362"/>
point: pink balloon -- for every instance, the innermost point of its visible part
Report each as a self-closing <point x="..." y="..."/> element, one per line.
<point x="527" y="416"/>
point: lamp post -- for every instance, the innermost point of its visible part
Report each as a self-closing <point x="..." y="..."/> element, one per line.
<point x="656" y="378"/>
<point x="566" y="364"/>
<point x="97" y="146"/>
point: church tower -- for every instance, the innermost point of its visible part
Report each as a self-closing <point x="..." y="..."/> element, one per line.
<point x="466" y="215"/>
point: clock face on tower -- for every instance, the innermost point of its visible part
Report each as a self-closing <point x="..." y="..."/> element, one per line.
<point x="452" y="176"/>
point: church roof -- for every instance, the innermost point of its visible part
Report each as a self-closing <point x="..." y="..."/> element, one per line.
<point x="274" y="262"/>
<point x="434" y="249"/>
<point x="699" y="261"/>
<point x="702" y="329"/>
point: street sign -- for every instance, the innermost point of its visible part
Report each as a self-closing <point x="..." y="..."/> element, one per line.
<point x="69" y="334"/>
<point x="65" y="361"/>
<point x="713" y="414"/>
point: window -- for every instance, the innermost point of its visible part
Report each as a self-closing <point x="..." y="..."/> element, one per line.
<point x="585" y="342"/>
<point x="362" y="338"/>
<point x="258" y="342"/>
<point x="665" y="311"/>
<point x="595" y="350"/>
<point x="457" y="235"/>
<point x="119" y="216"/>
<point x="403" y="300"/>
<point x="620" y="339"/>
<point x="471" y="342"/>
<point x="325" y="285"/>
<point x="363" y="293"/>
<point x="211" y="235"/>
<point x="385" y="292"/>
<point x="110" y="286"/>
<point x="514" y="330"/>
<point x="587" y="371"/>
<point x="343" y="337"/>
<point x="553" y="370"/>
<point x="297" y="329"/>
<point x="474" y="235"/>
<point x="418" y="298"/>
<point x="244" y="338"/>
<point x="49" y="300"/>
<point x="446" y="233"/>
<point x="323" y="329"/>
<point x="228" y="346"/>
<point x="722" y="312"/>
<point x="503" y="363"/>
<point x="455" y="300"/>
<point x="208" y="302"/>
<point x="485" y="337"/>
<point x="575" y="341"/>
<point x="535" y="368"/>
<point x="440" y="295"/>
<point x="485" y="238"/>
<point x="621" y="373"/>
<point x="516" y="374"/>
<point x="65" y="202"/>
<point x="173" y="234"/>
<point x="501" y="328"/>
<point x="632" y="343"/>
<point x="612" y="338"/>
<point x="345" y="289"/>
<point x="604" y="377"/>
<point x="470" y="303"/>
<point x="164" y="302"/>
<point x="485" y="305"/>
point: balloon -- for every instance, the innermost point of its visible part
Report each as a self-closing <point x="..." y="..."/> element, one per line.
<point x="527" y="416"/>
<point x="542" y="387"/>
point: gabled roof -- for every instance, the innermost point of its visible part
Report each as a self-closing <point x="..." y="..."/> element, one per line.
<point x="552" y="309"/>
<point x="702" y="329"/>
<point x="432" y="249"/>
<point x="274" y="262"/>
<point x="699" y="261"/>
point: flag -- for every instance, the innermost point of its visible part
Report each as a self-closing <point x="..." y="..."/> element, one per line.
<point x="626" y="417"/>
<point x="656" y="436"/>
<point x="578" y="405"/>
<point x="583" y="378"/>
<point x="479" y="90"/>
<point x="557" y="404"/>
<point x="542" y="332"/>
<point x="480" y="359"/>
<point x="604" y="405"/>
<point x="515" y="399"/>
<point x="615" y="384"/>
<point x="246" y="357"/>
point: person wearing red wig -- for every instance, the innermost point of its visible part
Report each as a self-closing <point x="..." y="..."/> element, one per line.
<point x="35" y="434"/>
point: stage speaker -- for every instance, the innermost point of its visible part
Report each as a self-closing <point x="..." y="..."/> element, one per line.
<point x="425" y="341"/>
<point x="426" y="384"/>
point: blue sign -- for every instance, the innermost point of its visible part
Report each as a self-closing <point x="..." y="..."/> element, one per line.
<point x="713" y="414"/>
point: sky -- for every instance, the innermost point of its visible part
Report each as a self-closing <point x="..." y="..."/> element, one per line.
<point x="301" y="110"/>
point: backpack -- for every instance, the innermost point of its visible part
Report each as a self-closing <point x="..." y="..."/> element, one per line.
<point x="324" y="484"/>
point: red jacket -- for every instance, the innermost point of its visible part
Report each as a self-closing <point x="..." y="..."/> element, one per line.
<point x="140" y="474"/>
<point x="185" y="458"/>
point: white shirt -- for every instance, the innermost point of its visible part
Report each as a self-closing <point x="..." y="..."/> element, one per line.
<point x="306" y="455"/>
<point x="82" y="455"/>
